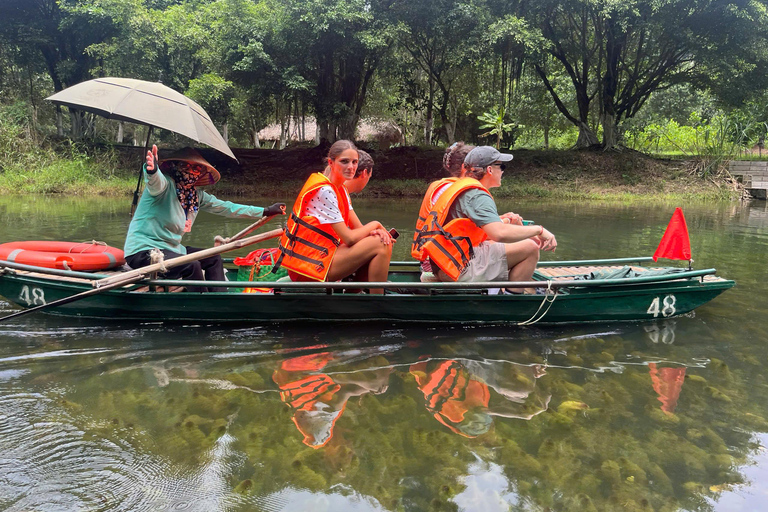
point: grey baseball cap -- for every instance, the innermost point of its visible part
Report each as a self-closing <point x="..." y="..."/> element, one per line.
<point x="483" y="156"/>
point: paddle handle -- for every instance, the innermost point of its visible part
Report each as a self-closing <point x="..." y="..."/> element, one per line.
<point x="220" y="240"/>
<point x="181" y="260"/>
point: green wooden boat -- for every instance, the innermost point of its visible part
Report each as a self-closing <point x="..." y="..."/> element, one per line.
<point x="568" y="297"/>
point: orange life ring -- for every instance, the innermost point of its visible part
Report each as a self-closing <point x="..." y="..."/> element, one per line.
<point x="63" y="255"/>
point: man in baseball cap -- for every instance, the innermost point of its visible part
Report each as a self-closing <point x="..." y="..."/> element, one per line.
<point x="465" y="237"/>
<point x="483" y="156"/>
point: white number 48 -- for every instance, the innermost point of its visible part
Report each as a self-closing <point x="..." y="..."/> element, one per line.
<point x="666" y="307"/>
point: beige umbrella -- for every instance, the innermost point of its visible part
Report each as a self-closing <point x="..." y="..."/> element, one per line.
<point x="149" y="103"/>
<point x="142" y="102"/>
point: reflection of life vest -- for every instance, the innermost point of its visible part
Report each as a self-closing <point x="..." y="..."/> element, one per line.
<point x="426" y="206"/>
<point x="667" y="382"/>
<point x="450" y="246"/>
<point x="307" y="247"/>
<point x="450" y="393"/>
<point x="309" y="395"/>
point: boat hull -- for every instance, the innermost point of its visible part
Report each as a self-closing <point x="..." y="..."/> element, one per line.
<point x="646" y="301"/>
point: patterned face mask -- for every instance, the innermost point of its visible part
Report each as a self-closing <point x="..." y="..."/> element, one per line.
<point x="185" y="177"/>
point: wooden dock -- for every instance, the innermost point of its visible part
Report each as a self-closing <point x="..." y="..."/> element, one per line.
<point x="753" y="174"/>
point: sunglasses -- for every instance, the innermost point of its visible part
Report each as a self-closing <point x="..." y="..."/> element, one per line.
<point x="500" y="166"/>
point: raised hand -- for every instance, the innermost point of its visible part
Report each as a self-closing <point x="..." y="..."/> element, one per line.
<point x="152" y="159"/>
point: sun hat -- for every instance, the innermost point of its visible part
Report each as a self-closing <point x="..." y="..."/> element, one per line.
<point x="191" y="156"/>
<point x="483" y="156"/>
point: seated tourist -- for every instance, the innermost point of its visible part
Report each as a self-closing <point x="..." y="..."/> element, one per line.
<point x="324" y="239"/>
<point x="467" y="240"/>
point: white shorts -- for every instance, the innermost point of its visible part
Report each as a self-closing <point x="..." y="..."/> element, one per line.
<point x="489" y="264"/>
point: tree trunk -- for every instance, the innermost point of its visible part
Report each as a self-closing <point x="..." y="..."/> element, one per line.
<point x="285" y="127"/>
<point x="76" y="126"/>
<point x="429" y="123"/>
<point x="587" y="137"/>
<point x="59" y="121"/>
<point x="325" y="131"/>
<point x="255" y="138"/>
<point x="225" y="132"/>
<point x="613" y="48"/>
<point x="120" y="133"/>
<point x="610" y="131"/>
<point x="348" y="126"/>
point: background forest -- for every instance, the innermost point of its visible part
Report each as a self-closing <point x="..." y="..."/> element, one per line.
<point x="679" y="76"/>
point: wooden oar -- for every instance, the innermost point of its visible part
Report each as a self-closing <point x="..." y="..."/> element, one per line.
<point x="126" y="278"/>
<point x="220" y="240"/>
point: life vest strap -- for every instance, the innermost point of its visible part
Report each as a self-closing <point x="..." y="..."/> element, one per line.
<point x="285" y="251"/>
<point x="298" y="220"/>
<point x="293" y="238"/>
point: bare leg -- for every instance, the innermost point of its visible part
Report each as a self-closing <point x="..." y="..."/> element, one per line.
<point x="522" y="258"/>
<point x="368" y="252"/>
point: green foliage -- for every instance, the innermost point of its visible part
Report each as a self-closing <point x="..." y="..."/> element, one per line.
<point x="32" y="166"/>
<point x="495" y="119"/>
<point x="710" y="142"/>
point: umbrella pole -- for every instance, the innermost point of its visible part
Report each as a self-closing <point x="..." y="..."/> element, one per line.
<point x="141" y="172"/>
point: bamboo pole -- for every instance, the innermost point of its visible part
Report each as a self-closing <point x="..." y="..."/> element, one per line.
<point x="181" y="260"/>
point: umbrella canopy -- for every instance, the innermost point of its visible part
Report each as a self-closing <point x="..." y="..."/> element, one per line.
<point x="149" y="103"/>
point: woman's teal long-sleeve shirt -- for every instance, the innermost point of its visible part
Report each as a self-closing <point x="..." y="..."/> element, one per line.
<point x="159" y="219"/>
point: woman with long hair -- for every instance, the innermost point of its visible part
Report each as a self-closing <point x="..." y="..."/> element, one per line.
<point x="324" y="239"/>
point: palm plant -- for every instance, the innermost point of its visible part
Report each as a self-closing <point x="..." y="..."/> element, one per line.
<point x="496" y="120"/>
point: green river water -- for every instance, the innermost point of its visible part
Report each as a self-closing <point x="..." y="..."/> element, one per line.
<point x="669" y="415"/>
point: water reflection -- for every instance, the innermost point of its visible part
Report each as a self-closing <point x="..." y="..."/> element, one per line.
<point x="465" y="395"/>
<point x="147" y="416"/>
<point x="319" y="399"/>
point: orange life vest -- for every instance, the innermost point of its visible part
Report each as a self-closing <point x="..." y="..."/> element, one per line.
<point x="450" y="391"/>
<point x="307" y="247"/>
<point x="449" y="246"/>
<point x="426" y="206"/>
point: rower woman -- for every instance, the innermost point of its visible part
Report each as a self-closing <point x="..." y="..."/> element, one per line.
<point x="324" y="239"/>
<point x="167" y="209"/>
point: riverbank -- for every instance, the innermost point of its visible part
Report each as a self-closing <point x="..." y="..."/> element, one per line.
<point x="399" y="172"/>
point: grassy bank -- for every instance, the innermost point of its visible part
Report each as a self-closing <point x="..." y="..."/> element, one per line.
<point x="36" y="166"/>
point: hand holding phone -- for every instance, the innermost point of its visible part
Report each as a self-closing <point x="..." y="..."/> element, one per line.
<point x="394" y="234"/>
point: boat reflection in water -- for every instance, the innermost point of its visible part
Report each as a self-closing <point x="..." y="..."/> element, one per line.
<point x="318" y="399"/>
<point x="462" y="394"/>
<point x="465" y="395"/>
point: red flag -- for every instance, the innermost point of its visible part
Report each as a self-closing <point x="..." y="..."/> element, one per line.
<point x="675" y="244"/>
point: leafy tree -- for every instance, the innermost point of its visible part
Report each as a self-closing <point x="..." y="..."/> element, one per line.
<point x="618" y="54"/>
<point x="495" y="119"/>
<point x="340" y="44"/>
<point x="443" y="39"/>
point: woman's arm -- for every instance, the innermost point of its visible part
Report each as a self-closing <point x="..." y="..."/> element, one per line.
<point x="510" y="233"/>
<point x="354" y="220"/>
<point x="351" y="236"/>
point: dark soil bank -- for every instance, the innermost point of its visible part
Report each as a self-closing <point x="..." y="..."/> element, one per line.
<point x="588" y="171"/>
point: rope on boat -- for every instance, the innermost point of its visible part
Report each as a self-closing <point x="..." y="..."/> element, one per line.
<point x="549" y="298"/>
<point x="92" y="242"/>
<point x="157" y="256"/>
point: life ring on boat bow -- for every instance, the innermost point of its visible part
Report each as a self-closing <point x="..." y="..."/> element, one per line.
<point x="63" y="255"/>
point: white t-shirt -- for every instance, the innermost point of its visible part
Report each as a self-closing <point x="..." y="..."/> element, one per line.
<point x="324" y="206"/>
